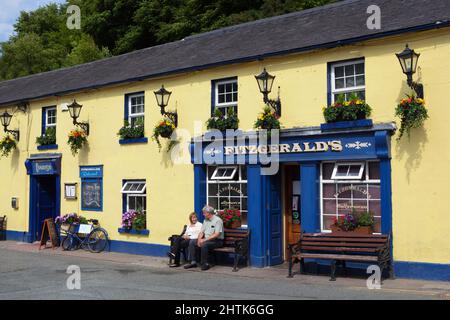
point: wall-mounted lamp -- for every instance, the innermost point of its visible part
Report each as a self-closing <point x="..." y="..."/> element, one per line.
<point x="408" y="60"/>
<point x="162" y="99"/>
<point x="74" y="110"/>
<point x="265" y="82"/>
<point x="6" y="120"/>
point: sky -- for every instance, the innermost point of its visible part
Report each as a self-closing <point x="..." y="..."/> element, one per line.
<point x="10" y="11"/>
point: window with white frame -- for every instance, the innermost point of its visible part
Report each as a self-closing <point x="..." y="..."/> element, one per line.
<point x="226" y="95"/>
<point x="136" y="109"/>
<point x="227" y="189"/>
<point x="50" y="117"/>
<point x="135" y="195"/>
<point x="348" y="78"/>
<point x="355" y="187"/>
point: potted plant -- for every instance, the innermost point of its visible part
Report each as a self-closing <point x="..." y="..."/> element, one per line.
<point x="48" y="138"/>
<point x="128" y="218"/>
<point x="7" y="145"/>
<point x="139" y="221"/>
<point x="132" y="132"/>
<point x="231" y="218"/>
<point x="221" y="122"/>
<point x="164" y="129"/>
<point x="344" y="223"/>
<point x="77" y="139"/>
<point x="267" y="120"/>
<point x="412" y="113"/>
<point x="355" y="109"/>
<point x="365" y="223"/>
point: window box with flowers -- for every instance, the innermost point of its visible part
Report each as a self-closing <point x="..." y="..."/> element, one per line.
<point x="132" y="133"/>
<point x="412" y="113"/>
<point x="48" y="140"/>
<point x="359" y="223"/>
<point x="231" y="218"/>
<point x="7" y="145"/>
<point x="77" y="139"/>
<point x="222" y="122"/>
<point x="134" y="222"/>
<point x="267" y="120"/>
<point x="345" y="114"/>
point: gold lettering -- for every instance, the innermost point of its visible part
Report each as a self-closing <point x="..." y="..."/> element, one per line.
<point x="336" y="145"/>
<point x="262" y="149"/>
<point x="274" y="148"/>
<point x="229" y="150"/>
<point x="308" y="148"/>
<point x="321" y="147"/>
<point x="296" y="148"/>
<point x="284" y="148"/>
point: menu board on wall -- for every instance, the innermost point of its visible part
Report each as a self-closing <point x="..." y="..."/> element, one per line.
<point x="91" y="191"/>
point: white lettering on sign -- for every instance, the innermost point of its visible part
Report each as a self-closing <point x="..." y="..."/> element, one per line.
<point x="354" y="188"/>
<point x="43" y="167"/>
<point x="321" y="146"/>
<point x="229" y="188"/>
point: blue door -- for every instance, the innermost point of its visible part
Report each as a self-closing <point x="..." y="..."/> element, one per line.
<point x="45" y="202"/>
<point x="275" y="243"/>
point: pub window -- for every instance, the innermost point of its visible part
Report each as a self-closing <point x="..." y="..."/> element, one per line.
<point x="48" y="119"/>
<point x="347" y="78"/>
<point x="342" y="195"/>
<point x="136" y="109"/>
<point x="226" y="95"/>
<point x="230" y="193"/>
<point x="135" y="196"/>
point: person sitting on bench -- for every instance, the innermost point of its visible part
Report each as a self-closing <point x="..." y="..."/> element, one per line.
<point x="190" y="235"/>
<point x="210" y="237"/>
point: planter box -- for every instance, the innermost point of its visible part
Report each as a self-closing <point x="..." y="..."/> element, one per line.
<point x="365" y="123"/>
<point x="234" y="225"/>
<point x="134" y="140"/>
<point x="359" y="230"/>
<point x="133" y="231"/>
<point x="48" y="147"/>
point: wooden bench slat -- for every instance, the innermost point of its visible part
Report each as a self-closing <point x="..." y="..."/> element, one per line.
<point x="343" y="243"/>
<point x="345" y="235"/>
<point x="340" y="249"/>
<point x="356" y="240"/>
<point x="337" y="257"/>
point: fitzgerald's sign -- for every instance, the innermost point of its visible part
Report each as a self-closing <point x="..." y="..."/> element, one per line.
<point x="319" y="146"/>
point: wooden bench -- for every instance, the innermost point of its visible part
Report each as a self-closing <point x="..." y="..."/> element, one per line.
<point x="236" y="241"/>
<point x="3" y="228"/>
<point x="373" y="249"/>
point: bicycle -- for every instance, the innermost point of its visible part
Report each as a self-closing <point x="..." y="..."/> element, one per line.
<point x="95" y="241"/>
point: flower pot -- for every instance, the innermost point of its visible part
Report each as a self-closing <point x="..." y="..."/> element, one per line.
<point x="363" y="230"/>
<point x="235" y="224"/>
<point x="335" y="228"/>
<point x="166" y="134"/>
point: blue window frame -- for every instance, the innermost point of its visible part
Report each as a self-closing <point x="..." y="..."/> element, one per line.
<point x="134" y="107"/>
<point x="48" y="118"/>
<point x="224" y="94"/>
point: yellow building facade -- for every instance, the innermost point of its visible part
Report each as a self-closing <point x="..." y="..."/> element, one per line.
<point x="419" y="175"/>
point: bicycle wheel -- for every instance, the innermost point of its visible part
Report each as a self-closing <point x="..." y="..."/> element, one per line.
<point x="97" y="240"/>
<point x="67" y="244"/>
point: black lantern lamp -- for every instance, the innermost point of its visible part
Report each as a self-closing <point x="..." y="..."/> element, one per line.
<point x="6" y="120"/>
<point x="74" y="111"/>
<point x="408" y="61"/>
<point x="265" y="82"/>
<point x="162" y="99"/>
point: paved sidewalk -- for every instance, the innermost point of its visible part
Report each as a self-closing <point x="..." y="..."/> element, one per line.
<point x="433" y="289"/>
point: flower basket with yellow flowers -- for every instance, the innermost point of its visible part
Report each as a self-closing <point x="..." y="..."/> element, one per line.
<point x="351" y="110"/>
<point x="77" y="139"/>
<point x="412" y="113"/>
<point x="267" y="120"/>
<point x="164" y="129"/>
<point x="7" y="144"/>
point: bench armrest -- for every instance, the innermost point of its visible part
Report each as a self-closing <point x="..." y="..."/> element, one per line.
<point x="241" y="246"/>
<point x="294" y="247"/>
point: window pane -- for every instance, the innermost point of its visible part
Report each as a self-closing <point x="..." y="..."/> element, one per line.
<point x="360" y="81"/>
<point x="213" y="201"/>
<point x="374" y="170"/>
<point x="329" y="206"/>
<point x="339" y="83"/>
<point x="350" y="82"/>
<point x="344" y="207"/>
<point x="375" y="207"/>
<point x="339" y="72"/>
<point x="360" y="206"/>
<point x="127" y="187"/>
<point x="342" y="171"/>
<point x="344" y="191"/>
<point x="235" y="88"/>
<point x="359" y="191"/>
<point x="328" y="220"/>
<point x="244" y="204"/>
<point x="354" y="170"/>
<point x="229" y="97"/>
<point x="374" y="191"/>
<point x="329" y="190"/>
<point x="377" y="227"/>
<point x="349" y="70"/>
<point x="221" y="98"/>
<point x="212" y="189"/>
<point x="359" y="68"/>
<point x="221" y="88"/>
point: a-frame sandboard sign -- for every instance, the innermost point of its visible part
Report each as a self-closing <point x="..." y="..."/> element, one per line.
<point x="48" y="233"/>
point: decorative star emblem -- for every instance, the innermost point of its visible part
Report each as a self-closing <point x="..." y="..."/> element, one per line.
<point x="358" y="145"/>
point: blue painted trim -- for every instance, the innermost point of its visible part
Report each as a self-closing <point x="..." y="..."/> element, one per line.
<point x="309" y="181"/>
<point x="259" y="57"/>
<point x="386" y="196"/>
<point x="48" y="147"/>
<point x="44" y="113"/>
<point x="364" y="123"/>
<point x="422" y="270"/>
<point x="32" y="210"/>
<point x="199" y="190"/>
<point x="21" y="236"/>
<point x="133" y="231"/>
<point x="133" y="140"/>
<point x="139" y="248"/>
<point x="256" y="220"/>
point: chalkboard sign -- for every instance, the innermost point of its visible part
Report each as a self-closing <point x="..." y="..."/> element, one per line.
<point x="91" y="194"/>
<point x="49" y="233"/>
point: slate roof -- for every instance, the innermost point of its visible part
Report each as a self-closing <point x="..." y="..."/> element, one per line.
<point x="322" y="27"/>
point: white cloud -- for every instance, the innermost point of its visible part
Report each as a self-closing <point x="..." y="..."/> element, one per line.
<point x="10" y="11"/>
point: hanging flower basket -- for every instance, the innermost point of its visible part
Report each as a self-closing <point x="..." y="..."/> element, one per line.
<point x="163" y="129"/>
<point x="267" y="120"/>
<point x="412" y="113"/>
<point x="7" y="145"/>
<point x="77" y="139"/>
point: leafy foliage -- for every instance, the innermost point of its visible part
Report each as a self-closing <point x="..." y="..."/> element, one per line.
<point x="164" y="129"/>
<point x="342" y="110"/>
<point x="130" y="132"/>
<point x="48" y="138"/>
<point x="7" y="144"/>
<point x="221" y="122"/>
<point x="412" y="113"/>
<point x="268" y="120"/>
<point x="42" y="42"/>
<point x="77" y="139"/>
